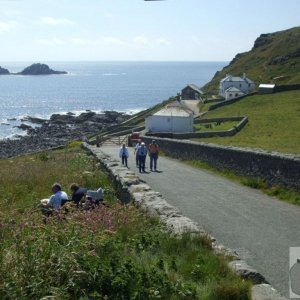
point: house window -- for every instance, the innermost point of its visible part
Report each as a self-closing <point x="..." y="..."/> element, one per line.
<point x="240" y="85"/>
<point x="236" y="95"/>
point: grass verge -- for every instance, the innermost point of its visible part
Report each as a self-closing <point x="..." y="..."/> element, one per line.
<point x="111" y="252"/>
<point x="279" y="192"/>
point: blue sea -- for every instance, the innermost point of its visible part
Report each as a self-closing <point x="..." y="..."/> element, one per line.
<point x="98" y="86"/>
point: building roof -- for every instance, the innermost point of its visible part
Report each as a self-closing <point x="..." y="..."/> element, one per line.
<point x="233" y="89"/>
<point x="267" y="86"/>
<point x="174" y="111"/>
<point x="194" y="87"/>
<point x="236" y="79"/>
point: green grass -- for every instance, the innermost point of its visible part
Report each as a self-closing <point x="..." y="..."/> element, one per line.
<point x="274" y="122"/>
<point x="279" y="192"/>
<point x="112" y="252"/>
<point x="224" y="126"/>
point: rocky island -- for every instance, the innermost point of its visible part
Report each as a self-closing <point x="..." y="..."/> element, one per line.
<point x="39" y="69"/>
<point x="4" y="71"/>
<point x="34" y="69"/>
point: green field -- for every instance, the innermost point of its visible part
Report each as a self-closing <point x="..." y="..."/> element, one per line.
<point x="274" y="122"/>
<point x="111" y="252"/>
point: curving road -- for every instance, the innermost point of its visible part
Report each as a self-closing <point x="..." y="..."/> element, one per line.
<point x="259" y="228"/>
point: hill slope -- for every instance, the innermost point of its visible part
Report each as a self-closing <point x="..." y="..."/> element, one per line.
<point x="274" y="122"/>
<point x="273" y="55"/>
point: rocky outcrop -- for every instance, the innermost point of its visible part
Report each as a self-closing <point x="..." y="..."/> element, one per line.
<point x="4" y="71"/>
<point x="40" y="69"/>
<point x="262" y="40"/>
<point x="57" y="131"/>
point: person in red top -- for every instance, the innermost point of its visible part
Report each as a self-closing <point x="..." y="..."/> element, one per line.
<point x="153" y="153"/>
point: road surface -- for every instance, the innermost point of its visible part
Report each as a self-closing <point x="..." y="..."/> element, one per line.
<point x="259" y="228"/>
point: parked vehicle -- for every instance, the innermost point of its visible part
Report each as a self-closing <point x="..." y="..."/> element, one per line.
<point x="134" y="138"/>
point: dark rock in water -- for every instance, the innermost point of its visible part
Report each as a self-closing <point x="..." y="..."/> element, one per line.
<point x="40" y="69"/>
<point x="4" y="71"/>
<point x="24" y="127"/>
<point x="85" y="116"/>
<point x="35" y="120"/>
<point x="57" y="118"/>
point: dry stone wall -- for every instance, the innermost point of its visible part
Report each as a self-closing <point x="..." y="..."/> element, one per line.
<point x="275" y="168"/>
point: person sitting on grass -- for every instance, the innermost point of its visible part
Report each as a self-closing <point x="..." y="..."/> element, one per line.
<point x="55" y="202"/>
<point x="78" y="193"/>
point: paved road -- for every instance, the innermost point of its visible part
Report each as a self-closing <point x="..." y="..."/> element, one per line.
<point x="260" y="228"/>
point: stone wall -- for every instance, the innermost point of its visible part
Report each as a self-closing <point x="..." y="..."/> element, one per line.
<point x="288" y="87"/>
<point x="275" y="168"/>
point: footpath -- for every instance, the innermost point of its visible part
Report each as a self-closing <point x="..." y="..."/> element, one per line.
<point x="260" y="229"/>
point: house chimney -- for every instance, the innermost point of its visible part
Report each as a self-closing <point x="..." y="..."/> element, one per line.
<point x="244" y="76"/>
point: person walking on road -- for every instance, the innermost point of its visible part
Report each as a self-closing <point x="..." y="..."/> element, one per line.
<point x="124" y="154"/>
<point x="153" y="153"/>
<point x="136" y="152"/>
<point x="142" y="153"/>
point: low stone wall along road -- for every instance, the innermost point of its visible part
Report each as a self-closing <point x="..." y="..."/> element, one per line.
<point x="259" y="228"/>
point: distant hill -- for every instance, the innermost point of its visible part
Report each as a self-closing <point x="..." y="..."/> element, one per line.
<point x="275" y="57"/>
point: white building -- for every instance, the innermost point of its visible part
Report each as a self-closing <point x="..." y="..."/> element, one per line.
<point x="173" y="119"/>
<point x="243" y="84"/>
<point x="232" y="93"/>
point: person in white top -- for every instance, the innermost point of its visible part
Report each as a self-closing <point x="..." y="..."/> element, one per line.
<point x="124" y="154"/>
<point x="55" y="202"/>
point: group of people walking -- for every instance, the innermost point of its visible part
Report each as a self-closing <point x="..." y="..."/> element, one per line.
<point x="141" y="152"/>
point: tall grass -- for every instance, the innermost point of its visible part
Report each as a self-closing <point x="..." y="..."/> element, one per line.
<point x="111" y="252"/>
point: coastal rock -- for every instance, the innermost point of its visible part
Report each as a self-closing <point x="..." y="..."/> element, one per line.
<point x="57" y="131"/>
<point x="4" y="71"/>
<point x="39" y="69"/>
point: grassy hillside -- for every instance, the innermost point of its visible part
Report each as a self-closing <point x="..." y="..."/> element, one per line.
<point x="110" y="252"/>
<point x="273" y="55"/>
<point x="274" y="122"/>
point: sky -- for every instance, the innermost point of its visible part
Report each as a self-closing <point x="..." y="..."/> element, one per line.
<point x="137" y="30"/>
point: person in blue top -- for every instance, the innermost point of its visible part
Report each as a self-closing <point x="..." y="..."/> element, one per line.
<point x="142" y="153"/>
<point x="124" y="154"/>
<point x="55" y="202"/>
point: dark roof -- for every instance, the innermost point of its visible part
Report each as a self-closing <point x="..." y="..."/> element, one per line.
<point x="195" y="88"/>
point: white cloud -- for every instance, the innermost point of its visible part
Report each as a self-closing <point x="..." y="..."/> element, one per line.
<point x="141" y="40"/>
<point x="51" y="42"/>
<point x="7" y="26"/>
<point x="103" y="41"/>
<point x="163" y="42"/>
<point x="109" y="40"/>
<point x="56" y="21"/>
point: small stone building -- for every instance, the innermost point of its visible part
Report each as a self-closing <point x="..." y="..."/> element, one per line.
<point x="191" y="92"/>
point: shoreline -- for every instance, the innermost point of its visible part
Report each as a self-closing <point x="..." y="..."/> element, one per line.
<point x="57" y="131"/>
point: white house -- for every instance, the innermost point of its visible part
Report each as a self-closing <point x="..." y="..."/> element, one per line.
<point x="243" y="84"/>
<point x="171" y="119"/>
<point x="232" y="93"/>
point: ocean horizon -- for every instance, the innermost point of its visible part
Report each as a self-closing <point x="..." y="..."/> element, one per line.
<point x="124" y="86"/>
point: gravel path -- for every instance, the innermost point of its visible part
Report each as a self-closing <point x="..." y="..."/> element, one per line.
<point x="259" y="228"/>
